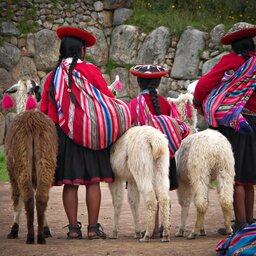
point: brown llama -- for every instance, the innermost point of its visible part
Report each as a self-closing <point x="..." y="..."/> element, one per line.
<point x="31" y="152"/>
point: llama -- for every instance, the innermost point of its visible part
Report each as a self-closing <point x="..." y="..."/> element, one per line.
<point x="141" y="157"/>
<point x="203" y="157"/>
<point x="31" y="153"/>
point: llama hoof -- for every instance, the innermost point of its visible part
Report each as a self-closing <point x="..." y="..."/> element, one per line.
<point x="180" y="233"/>
<point x="114" y="235"/>
<point x="47" y="232"/>
<point x="192" y="236"/>
<point x="145" y="239"/>
<point x="14" y="232"/>
<point x="41" y="239"/>
<point x="202" y="232"/>
<point x="165" y="239"/>
<point x="138" y="235"/>
<point x="30" y="239"/>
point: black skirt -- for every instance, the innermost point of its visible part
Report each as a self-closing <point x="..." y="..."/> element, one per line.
<point x="244" y="148"/>
<point x="78" y="165"/>
<point x="173" y="174"/>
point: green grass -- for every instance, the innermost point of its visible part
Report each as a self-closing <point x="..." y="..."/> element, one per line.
<point x="200" y="14"/>
<point x="3" y="171"/>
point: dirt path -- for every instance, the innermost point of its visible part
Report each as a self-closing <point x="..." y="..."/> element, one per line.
<point x="58" y="245"/>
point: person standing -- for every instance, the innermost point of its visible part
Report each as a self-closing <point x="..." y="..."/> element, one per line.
<point x="243" y="141"/>
<point x="77" y="165"/>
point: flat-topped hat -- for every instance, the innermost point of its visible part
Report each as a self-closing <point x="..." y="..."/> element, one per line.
<point x="87" y="37"/>
<point x="238" y="31"/>
<point x="149" y="71"/>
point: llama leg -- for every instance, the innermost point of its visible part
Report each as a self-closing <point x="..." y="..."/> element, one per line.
<point x="164" y="207"/>
<point x="151" y="208"/>
<point x="225" y="194"/>
<point x="42" y="197"/>
<point x="28" y="197"/>
<point x="47" y="232"/>
<point x="116" y="190"/>
<point x="134" y="200"/>
<point x="184" y="195"/>
<point x="17" y="206"/>
<point x="201" y="203"/>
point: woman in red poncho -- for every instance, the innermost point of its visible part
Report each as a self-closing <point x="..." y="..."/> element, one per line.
<point x="244" y="145"/>
<point x="77" y="165"/>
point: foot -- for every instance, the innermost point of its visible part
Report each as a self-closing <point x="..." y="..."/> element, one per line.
<point x="74" y="231"/>
<point x="236" y="226"/>
<point x="96" y="232"/>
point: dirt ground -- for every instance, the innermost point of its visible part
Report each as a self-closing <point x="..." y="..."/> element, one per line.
<point x="125" y="245"/>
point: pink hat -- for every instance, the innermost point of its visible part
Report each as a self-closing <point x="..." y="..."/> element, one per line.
<point x="87" y="37"/>
<point x="238" y="31"/>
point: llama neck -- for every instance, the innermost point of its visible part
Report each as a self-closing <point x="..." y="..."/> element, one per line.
<point x="21" y="101"/>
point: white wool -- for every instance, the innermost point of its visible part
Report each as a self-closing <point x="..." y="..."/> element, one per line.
<point x="203" y="157"/>
<point x="141" y="157"/>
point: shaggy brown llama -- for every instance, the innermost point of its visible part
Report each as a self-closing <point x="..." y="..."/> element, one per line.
<point x="31" y="152"/>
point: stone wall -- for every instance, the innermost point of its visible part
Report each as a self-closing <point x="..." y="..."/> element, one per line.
<point x="118" y="45"/>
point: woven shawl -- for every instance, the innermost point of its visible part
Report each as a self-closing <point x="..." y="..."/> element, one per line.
<point x="174" y="129"/>
<point x="227" y="100"/>
<point x="95" y="121"/>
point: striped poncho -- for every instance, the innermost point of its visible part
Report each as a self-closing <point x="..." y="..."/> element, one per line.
<point x="95" y="121"/>
<point x="174" y="129"/>
<point x="226" y="102"/>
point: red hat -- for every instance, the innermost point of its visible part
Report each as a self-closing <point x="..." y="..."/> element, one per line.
<point x="149" y="71"/>
<point x="238" y="31"/>
<point x="87" y="37"/>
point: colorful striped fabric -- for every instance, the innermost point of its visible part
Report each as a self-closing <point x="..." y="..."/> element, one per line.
<point x="241" y="243"/>
<point x="95" y="121"/>
<point x="174" y="129"/>
<point x="226" y="102"/>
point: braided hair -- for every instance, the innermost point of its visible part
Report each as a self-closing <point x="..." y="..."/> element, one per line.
<point x="243" y="46"/>
<point x="151" y="84"/>
<point x="69" y="47"/>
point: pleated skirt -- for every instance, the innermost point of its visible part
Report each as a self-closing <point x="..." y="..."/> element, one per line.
<point x="244" y="149"/>
<point x="78" y="165"/>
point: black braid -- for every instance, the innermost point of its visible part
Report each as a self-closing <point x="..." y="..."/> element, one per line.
<point x="246" y="55"/>
<point x="154" y="99"/>
<point x="71" y="67"/>
<point x="51" y="90"/>
<point x="151" y="84"/>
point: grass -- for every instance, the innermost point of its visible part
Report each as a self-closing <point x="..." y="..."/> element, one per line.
<point x="3" y="171"/>
<point x="200" y="14"/>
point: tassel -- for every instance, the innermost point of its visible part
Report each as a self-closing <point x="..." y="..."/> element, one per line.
<point x="174" y="111"/>
<point x="116" y="85"/>
<point x="31" y="103"/>
<point x="7" y="102"/>
<point x="189" y="109"/>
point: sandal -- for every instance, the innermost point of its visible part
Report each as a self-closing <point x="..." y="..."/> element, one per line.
<point x="74" y="232"/>
<point x="236" y="226"/>
<point x="96" y="232"/>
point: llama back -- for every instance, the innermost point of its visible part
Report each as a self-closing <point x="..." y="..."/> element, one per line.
<point x="31" y="136"/>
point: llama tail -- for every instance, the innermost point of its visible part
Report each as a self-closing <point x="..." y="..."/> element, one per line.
<point x="159" y="144"/>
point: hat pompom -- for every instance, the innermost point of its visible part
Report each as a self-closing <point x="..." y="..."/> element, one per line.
<point x="31" y="103"/>
<point x="7" y="102"/>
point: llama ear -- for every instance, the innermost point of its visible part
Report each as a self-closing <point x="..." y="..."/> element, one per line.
<point x="7" y="102"/>
<point x="12" y="89"/>
<point x="189" y="109"/>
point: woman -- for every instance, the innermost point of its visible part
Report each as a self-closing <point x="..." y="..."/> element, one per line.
<point x="244" y="145"/>
<point x="149" y="78"/>
<point x="77" y="165"/>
